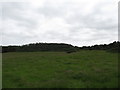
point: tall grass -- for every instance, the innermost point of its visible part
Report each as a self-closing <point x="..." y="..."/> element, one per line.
<point x="83" y="69"/>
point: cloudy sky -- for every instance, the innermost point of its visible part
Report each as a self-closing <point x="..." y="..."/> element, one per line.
<point x="76" y="22"/>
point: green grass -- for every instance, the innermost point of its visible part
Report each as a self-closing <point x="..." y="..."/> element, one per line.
<point x="83" y="69"/>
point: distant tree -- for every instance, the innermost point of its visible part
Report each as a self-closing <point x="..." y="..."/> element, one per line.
<point x="60" y="47"/>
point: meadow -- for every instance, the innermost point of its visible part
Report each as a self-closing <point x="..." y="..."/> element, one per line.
<point x="83" y="69"/>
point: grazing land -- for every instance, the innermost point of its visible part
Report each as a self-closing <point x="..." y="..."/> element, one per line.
<point x="82" y="69"/>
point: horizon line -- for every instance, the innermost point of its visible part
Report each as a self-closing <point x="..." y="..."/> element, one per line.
<point x="58" y="43"/>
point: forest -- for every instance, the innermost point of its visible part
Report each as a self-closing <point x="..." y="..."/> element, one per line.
<point x="60" y="47"/>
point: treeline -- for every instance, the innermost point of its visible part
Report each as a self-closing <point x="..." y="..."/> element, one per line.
<point x="34" y="47"/>
<point x="40" y="47"/>
<point x="112" y="47"/>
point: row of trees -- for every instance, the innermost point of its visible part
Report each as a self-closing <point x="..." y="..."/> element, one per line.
<point x="40" y="47"/>
<point x="113" y="47"/>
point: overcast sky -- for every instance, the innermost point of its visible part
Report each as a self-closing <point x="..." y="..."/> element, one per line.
<point x="76" y="22"/>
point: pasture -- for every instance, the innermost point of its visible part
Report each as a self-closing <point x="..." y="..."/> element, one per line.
<point x="83" y="69"/>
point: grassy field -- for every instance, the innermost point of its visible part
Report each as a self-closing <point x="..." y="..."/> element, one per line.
<point x="83" y="69"/>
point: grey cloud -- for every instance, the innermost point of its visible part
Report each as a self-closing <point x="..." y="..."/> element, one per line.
<point x="83" y="28"/>
<point x="105" y="21"/>
<point x="14" y="11"/>
<point x="11" y="9"/>
<point x="51" y="11"/>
